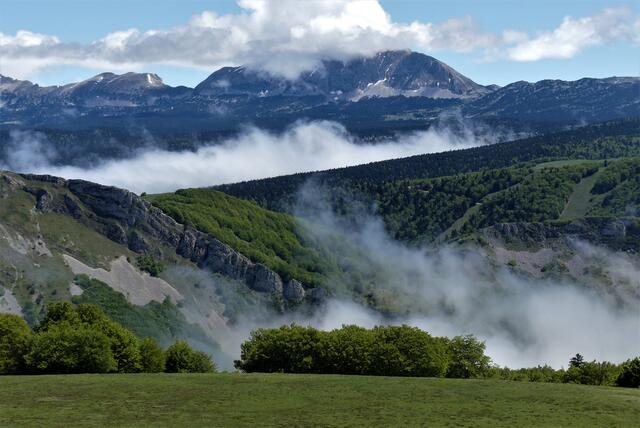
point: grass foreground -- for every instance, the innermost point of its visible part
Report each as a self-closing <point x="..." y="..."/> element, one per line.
<point x="306" y="400"/>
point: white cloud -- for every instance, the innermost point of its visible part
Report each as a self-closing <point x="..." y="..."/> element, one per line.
<point x="284" y="38"/>
<point x="251" y="155"/>
<point x="574" y="35"/>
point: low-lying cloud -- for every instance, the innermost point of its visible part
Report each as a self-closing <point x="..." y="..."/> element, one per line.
<point x="451" y="291"/>
<point x="253" y="154"/>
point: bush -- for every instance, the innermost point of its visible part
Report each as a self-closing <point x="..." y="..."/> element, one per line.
<point x="382" y="351"/>
<point x="408" y="351"/>
<point x="149" y="264"/>
<point x="124" y="344"/>
<point x="629" y="376"/>
<point x="467" y="357"/>
<point x="288" y="349"/>
<point x="181" y="358"/>
<point x="151" y="356"/>
<point x="592" y="373"/>
<point x="83" y="339"/>
<point x="64" y="348"/>
<point x="14" y="341"/>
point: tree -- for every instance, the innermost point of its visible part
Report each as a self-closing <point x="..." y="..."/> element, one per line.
<point x="630" y="375"/>
<point x="123" y="344"/>
<point x="576" y="361"/>
<point x="152" y="357"/>
<point x="591" y="372"/>
<point x="15" y="335"/>
<point x="288" y="349"/>
<point x="181" y="358"/>
<point x="59" y="312"/>
<point x="467" y="357"/>
<point x="66" y="348"/>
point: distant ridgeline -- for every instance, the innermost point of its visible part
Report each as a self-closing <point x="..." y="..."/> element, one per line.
<point x="600" y="141"/>
<point x="421" y="197"/>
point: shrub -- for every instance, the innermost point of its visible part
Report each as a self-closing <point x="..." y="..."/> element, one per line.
<point x="151" y="356"/>
<point x="467" y="357"/>
<point x="592" y="373"/>
<point x="14" y="340"/>
<point x="64" y="348"/>
<point x="629" y="376"/>
<point x="408" y="351"/>
<point x="148" y="264"/>
<point x="181" y="358"/>
<point x="382" y="351"/>
<point x="289" y="349"/>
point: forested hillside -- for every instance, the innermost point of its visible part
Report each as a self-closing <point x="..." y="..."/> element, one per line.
<point x="600" y="141"/>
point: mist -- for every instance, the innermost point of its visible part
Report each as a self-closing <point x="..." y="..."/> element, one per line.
<point x="253" y="154"/>
<point x="451" y="291"/>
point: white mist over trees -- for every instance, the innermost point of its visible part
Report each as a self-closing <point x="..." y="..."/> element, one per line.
<point x="253" y="154"/>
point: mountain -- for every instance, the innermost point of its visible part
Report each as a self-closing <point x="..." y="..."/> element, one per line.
<point x="386" y="74"/>
<point x="106" y="90"/>
<point x="75" y="240"/>
<point x="195" y="262"/>
<point x="606" y="140"/>
<point x="201" y="264"/>
<point x="390" y="91"/>
<point x="584" y="100"/>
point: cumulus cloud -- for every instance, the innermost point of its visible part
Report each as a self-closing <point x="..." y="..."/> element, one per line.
<point x="574" y="35"/>
<point x="253" y="154"/>
<point x="285" y="39"/>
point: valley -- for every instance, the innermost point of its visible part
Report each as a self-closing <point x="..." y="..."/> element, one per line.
<point x="225" y="264"/>
<point x="350" y="213"/>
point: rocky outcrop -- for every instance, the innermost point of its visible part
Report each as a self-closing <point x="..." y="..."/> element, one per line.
<point x="293" y="291"/>
<point x="44" y="199"/>
<point x="617" y="234"/>
<point x="130" y="220"/>
<point x="210" y="253"/>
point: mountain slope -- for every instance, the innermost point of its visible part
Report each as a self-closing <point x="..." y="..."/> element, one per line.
<point x="386" y="74"/>
<point x="225" y="258"/>
<point x="74" y="240"/>
<point x="393" y="90"/>
<point x="584" y="100"/>
<point x="598" y="141"/>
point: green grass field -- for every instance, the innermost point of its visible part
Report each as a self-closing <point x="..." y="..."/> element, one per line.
<point x="227" y="400"/>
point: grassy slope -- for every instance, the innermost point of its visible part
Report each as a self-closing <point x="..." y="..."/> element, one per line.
<point x="413" y="210"/>
<point x="306" y="400"/>
<point x="268" y="237"/>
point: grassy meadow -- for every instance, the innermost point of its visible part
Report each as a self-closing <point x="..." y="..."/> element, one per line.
<point x="234" y="399"/>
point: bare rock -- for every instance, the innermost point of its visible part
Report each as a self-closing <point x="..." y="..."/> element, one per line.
<point x="293" y="291"/>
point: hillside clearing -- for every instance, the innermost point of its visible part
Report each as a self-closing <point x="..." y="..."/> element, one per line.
<point x="306" y="400"/>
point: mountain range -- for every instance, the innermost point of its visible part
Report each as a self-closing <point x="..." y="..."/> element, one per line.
<point x="391" y="90"/>
<point x="201" y="264"/>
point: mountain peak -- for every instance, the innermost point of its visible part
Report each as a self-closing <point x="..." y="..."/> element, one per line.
<point x="387" y="73"/>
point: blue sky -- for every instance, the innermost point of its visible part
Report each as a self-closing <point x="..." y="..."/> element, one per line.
<point x="77" y="24"/>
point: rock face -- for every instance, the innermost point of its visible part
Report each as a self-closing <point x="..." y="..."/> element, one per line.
<point x="293" y="291"/>
<point x="128" y="219"/>
<point x="617" y="234"/>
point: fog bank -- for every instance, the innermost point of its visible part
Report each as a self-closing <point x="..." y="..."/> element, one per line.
<point x="253" y="154"/>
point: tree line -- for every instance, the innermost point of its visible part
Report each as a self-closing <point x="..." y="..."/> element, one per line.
<point x="82" y="339"/>
<point x="382" y="351"/>
<point x="406" y="351"/>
